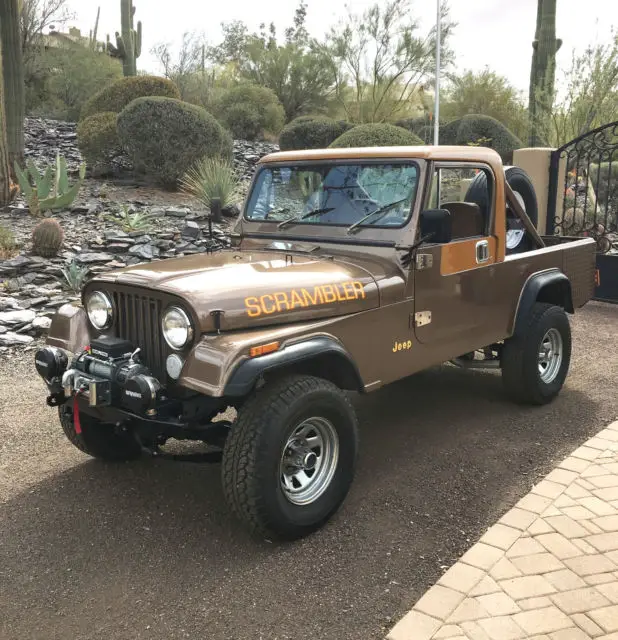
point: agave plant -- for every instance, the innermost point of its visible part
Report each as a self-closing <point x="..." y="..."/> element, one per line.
<point x="49" y="190"/>
<point x="213" y="178"/>
<point x="75" y="275"/>
<point x="127" y="221"/>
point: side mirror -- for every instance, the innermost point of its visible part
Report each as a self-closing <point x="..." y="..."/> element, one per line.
<point x="436" y="225"/>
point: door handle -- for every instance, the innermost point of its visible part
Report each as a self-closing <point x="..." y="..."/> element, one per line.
<point x="482" y="251"/>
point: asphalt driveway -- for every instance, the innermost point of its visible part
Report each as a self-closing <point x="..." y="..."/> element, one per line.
<point x="149" y="550"/>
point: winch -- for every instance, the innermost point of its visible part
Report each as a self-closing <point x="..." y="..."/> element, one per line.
<point x="106" y="373"/>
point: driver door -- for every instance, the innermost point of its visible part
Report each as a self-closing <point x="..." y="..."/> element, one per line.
<point x="453" y="281"/>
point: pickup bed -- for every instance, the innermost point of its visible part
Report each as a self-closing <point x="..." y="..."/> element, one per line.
<point x="350" y="269"/>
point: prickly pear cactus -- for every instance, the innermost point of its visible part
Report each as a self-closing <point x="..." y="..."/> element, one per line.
<point x="47" y="238"/>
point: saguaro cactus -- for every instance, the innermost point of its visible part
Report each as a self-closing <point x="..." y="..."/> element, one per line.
<point x="128" y="43"/>
<point x="5" y="178"/>
<point x="94" y="45"/>
<point x="543" y="72"/>
<point x="13" y="72"/>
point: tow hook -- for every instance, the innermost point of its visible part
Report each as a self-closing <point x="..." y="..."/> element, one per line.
<point x="56" y="399"/>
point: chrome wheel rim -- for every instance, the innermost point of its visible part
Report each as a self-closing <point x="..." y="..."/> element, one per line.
<point x="516" y="233"/>
<point x="550" y="355"/>
<point x="309" y="460"/>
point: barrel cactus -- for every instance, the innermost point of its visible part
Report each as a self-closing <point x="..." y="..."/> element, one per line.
<point x="47" y="238"/>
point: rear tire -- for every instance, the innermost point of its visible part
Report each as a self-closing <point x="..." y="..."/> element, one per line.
<point x="98" y="439"/>
<point x="275" y="441"/>
<point x="535" y="362"/>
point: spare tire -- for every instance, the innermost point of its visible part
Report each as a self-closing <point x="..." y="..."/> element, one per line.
<point x="518" y="240"/>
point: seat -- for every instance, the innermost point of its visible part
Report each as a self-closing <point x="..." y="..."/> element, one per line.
<point x="467" y="219"/>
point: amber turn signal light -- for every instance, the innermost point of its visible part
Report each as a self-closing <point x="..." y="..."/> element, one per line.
<point x="263" y="349"/>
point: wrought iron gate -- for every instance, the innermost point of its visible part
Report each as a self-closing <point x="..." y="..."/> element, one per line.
<point x="585" y="201"/>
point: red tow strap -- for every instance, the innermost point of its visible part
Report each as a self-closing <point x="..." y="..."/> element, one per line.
<point x="76" y="423"/>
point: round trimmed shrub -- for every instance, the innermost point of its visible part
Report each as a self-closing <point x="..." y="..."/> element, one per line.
<point x="97" y="139"/>
<point x="448" y="132"/>
<point x="485" y="131"/>
<point x="415" y="125"/>
<point x="165" y="137"/>
<point x="376" y="135"/>
<point x="268" y="114"/>
<point x="244" y="121"/>
<point x="311" y="132"/>
<point x="118" y="95"/>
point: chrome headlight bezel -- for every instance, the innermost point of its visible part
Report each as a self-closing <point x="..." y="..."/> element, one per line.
<point x="188" y="327"/>
<point x="106" y="305"/>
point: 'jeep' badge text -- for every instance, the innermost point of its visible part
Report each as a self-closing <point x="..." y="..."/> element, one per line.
<point x="304" y="298"/>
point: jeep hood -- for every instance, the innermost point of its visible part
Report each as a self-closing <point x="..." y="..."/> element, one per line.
<point x="253" y="288"/>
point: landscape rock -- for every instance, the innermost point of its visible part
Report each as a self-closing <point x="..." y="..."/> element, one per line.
<point x="11" y="339"/>
<point x="90" y="258"/>
<point x="21" y="316"/>
<point x="144" y="251"/>
<point x="41" y="323"/>
<point x="191" y="230"/>
<point x="232" y="211"/>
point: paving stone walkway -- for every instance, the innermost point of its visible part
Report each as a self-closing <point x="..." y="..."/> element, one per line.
<point x="548" y="570"/>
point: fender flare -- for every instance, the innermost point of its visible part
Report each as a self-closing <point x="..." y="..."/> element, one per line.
<point x="243" y="378"/>
<point x="532" y="292"/>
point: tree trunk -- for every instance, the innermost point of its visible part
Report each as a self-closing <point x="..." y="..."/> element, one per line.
<point x="5" y="177"/>
<point x="13" y="72"/>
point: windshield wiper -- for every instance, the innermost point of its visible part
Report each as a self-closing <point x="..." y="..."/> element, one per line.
<point x="379" y="211"/>
<point x="302" y="216"/>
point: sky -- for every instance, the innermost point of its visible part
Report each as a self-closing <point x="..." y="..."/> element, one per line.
<point x="491" y="33"/>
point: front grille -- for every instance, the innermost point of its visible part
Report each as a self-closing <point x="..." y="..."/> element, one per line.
<point x="138" y="320"/>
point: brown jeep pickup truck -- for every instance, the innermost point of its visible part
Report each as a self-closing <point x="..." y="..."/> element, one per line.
<point x="349" y="269"/>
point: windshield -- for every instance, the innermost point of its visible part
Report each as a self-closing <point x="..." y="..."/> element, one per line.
<point x="334" y="194"/>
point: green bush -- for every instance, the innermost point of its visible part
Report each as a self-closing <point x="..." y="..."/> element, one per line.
<point x="415" y="125"/>
<point x="8" y="246"/>
<point x="117" y="96"/>
<point x="59" y="81"/>
<point x="475" y="129"/>
<point x="244" y="121"/>
<point x="97" y="139"/>
<point x="311" y="132"/>
<point x="268" y="114"/>
<point x="376" y="135"/>
<point x="165" y="137"/>
<point x="448" y="132"/>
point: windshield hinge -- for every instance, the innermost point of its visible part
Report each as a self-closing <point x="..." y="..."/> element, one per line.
<point x="423" y="261"/>
<point x="421" y="318"/>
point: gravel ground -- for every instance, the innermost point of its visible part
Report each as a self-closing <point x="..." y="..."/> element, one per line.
<point x="149" y="550"/>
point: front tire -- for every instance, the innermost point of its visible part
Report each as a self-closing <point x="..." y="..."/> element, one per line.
<point x="535" y="362"/>
<point x="98" y="439"/>
<point x="290" y="458"/>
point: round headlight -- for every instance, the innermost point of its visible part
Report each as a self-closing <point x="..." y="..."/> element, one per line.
<point x="99" y="308"/>
<point x="177" y="329"/>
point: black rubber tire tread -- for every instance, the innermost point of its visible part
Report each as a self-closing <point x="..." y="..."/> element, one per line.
<point x="519" y="359"/>
<point x="241" y="470"/>
<point x="99" y="440"/>
<point x="519" y="181"/>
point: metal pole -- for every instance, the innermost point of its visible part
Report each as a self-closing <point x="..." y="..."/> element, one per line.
<point x="436" y="115"/>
